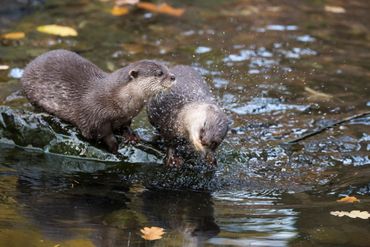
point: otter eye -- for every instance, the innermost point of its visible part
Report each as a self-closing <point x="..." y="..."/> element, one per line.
<point x="160" y="73"/>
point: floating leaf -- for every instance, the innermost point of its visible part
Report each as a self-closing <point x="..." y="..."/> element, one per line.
<point x="152" y="233"/>
<point x="14" y="35"/>
<point x="353" y="214"/>
<point x="4" y="67"/>
<point x="335" y="9"/>
<point x="63" y="31"/>
<point x="162" y="8"/>
<point x="316" y="95"/>
<point x="133" y="48"/>
<point x="123" y="2"/>
<point x="348" y="199"/>
<point x="118" y="11"/>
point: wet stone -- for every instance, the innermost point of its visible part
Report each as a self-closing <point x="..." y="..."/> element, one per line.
<point x="48" y="133"/>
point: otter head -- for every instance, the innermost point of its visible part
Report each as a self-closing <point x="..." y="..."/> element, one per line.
<point x="206" y="126"/>
<point x="152" y="77"/>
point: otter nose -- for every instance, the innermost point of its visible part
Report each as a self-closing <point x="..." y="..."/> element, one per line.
<point x="172" y="77"/>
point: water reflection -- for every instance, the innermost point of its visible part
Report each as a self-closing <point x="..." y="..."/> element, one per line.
<point x="112" y="214"/>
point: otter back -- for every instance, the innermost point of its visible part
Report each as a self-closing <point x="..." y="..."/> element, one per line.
<point x="56" y="81"/>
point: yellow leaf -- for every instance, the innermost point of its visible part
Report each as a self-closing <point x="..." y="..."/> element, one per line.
<point x="123" y="2"/>
<point x="4" y="67"/>
<point x="118" y="11"/>
<point x="152" y="233"/>
<point x="133" y="48"/>
<point x="335" y="9"/>
<point x="15" y="35"/>
<point x="63" y="31"/>
<point x="316" y="95"/>
<point x="353" y="214"/>
<point x="162" y="8"/>
<point x="348" y="199"/>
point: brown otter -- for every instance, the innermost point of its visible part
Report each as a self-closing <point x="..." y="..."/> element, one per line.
<point x="188" y="114"/>
<point x="72" y="88"/>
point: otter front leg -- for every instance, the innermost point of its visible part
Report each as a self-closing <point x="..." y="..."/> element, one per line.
<point x="106" y="135"/>
<point x="172" y="159"/>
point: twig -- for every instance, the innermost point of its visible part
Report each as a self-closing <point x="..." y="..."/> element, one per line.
<point x="322" y="129"/>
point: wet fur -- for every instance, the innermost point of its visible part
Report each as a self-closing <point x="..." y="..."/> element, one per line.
<point x="69" y="86"/>
<point x="174" y="112"/>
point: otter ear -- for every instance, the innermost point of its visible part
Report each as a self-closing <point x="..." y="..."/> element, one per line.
<point x="133" y="74"/>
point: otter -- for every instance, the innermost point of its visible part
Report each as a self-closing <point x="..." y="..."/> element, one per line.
<point x="74" y="89"/>
<point x="188" y="115"/>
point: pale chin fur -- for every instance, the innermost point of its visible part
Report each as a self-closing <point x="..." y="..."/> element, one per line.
<point x="194" y="116"/>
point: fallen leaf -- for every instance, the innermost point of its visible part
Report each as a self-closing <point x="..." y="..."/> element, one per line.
<point x="4" y="67"/>
<point x="162" y="8"/>
<point x="353" y="214"/>
<point x="316" y="95"/>
<point x="123" y="2"/>
<point x="111" y="66"/>
<point x="133" y="48"/>
<point x="335" y="9"/>
<point x="15" y="35"/>
<point x="348" y="199"/>
<point x="63" y="31"/>
<point x="118" y="11"/>
<point x="152" y="233"/>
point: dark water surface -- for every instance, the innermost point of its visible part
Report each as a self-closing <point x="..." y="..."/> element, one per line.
<point x="281" y="69"/>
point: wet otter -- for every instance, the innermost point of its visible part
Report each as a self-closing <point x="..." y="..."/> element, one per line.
<point x="72" y="88"/>
<point x="188" y="114"/>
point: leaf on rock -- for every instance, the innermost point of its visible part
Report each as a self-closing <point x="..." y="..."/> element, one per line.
<point x="63" y="31"/>
<point x="335" y="9"/>
<point x="119" y="11"/>
<point x="353" y="214"/>
<point x="152" y="233"/>
<point x="162" y="8"/>
<point x="14" y="35"/>
<point x="348" y="199"/>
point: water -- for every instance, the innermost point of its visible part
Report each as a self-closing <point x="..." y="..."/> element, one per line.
<point x="280" y="69"/>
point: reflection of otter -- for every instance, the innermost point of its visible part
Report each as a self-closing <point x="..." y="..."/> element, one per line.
<point x="112" y="215"/>
<point x="188" y="114"/>
<point x="59" y="211"/>
<point x="76" y="90"/>
<point x="189" y="214"/>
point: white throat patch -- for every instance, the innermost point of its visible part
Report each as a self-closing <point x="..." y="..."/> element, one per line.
<point x="194" y="116"/>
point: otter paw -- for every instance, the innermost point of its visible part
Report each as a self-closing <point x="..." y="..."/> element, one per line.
<point x="174" y="161"/>
<point x="132" y="139"/>
<point x="211" y="160"/>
